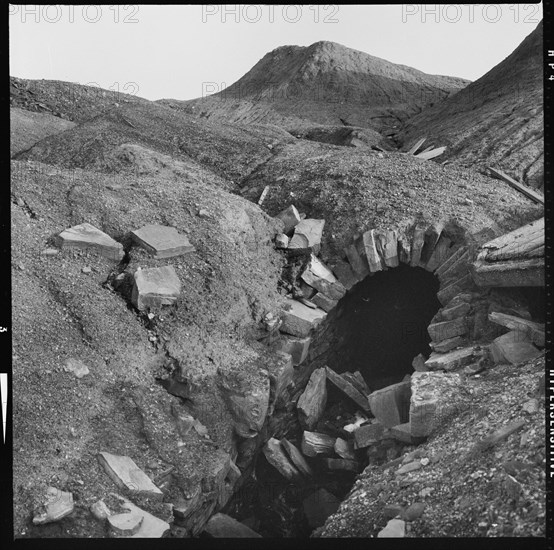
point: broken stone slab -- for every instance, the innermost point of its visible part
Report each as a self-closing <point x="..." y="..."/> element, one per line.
<point x="455" y="287"/>
<point x="297" y="347"/>
<point x="155" y="287"/>
<point x="162" y="241"/>
<point x="436" y="396"/>
<point x="455" y="312"/>
<point x="320" y="277"/>
<point x="357" y="262"/>
<point x="317" y="444"/>
<point x="418" y="363"/>
<point x="345" y="274"/>
<point x="418" y="240"/>
<point x="151" y="526"/>
<point x="299" y="320"/>
<point x="308" y="234"/>
<point x="86" y="236"/>
<point x="278" y="459"/>
<point x="296" y="457"/>
<point x="357" y="380"/>
<point x="281" y="241"/>
<point x="388" y="247"/>
<point x="451" y="360"/>
<point x="513" y="347"/>
<point x="57" y="505"/>
<point x="371" y="247"/>
<point x="535" y="331"/>
<point x="447" y="329"/>
<point x="311" y="404"/>
<point x="342" y="464"/>
<point x="403" y="433"/>
<point x="290" y="217"/>
<point x="391" y="405"/>
<point x="395" y="528"/>
<point x="509" y="273"/>
<point x="440" y="253"/>
<point x="127" y="475"/>
<point x="348" y="389"/>
<point x="448" y="344"/>
<point x="224" y="526"/>
<point x="370" y="434"/>
<point x="125" y="525"/>
<point x="345" y="449"/>
<point x="323" y="302"/>
<point x="319" y="506"/>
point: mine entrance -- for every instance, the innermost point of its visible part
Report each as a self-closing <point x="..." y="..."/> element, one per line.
<point x="382" y="323"/>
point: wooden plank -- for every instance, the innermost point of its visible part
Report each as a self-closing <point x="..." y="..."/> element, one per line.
<point x="416" y="146"/>
<point x="527" y="191"/>
<point x="516" y="250"/>
<point x="431" y="154"/>
<point x="527" y="231"/>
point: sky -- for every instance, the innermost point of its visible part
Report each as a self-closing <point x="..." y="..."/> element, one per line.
<point x="178" y="51"/>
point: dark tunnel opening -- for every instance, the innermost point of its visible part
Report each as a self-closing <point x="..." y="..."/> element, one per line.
<point x="383" y="323"/>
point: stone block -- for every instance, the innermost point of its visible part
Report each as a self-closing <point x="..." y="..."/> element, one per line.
<point x="317" y="444"/>
<point x="371" y="247"/>
<point x="320" y="277"/>
<point x="432" y="234"/>
<point x="357" y="262"/>
<point x="418" y="363"/>
<point x="308" y="234"/>
<point x="455" y="287"/>
<point x="296" y="457"/>
<point x="347" y="388"/>
<point x="223" y="526"/>
<point x="57" y="505"/>
<point x="342" y="464"/>
<point x="281" y="241"/>
<point x="323" y="302"/>
<point x="448" y="344"/>
<point x="155" y="287"/>
<point x="390" y="405"/>
<point x="311" y="403"/>
<point x="513" y="347"/>
<point x="388" y="247"/>
<point x="128" y="476"/>
<point x="345" y="274"/>
<point x="451" y="360"/>
<point x="455" y="312"/>
<point x="162" y="241"/>
<point x="447" y="329"/>
<point x="278" y="459"/>
<point x="345" y="449"/>
<point x="535" y="331"/>
<point x="440" y="254"/>
<point x="297" y="347"/>
<point x="85" y="236"/>
<point x="403" y="433"/>
<point x="290" y="217"/>
<point x="357" y="380"/>
<point x="299" y="320"/>
<point x="418" y="240"/>
<point x="370" y="434"/>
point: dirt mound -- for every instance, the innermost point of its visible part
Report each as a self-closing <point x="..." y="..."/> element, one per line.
<point x="61" y="312"/>
<point x="496" y="120"/>
<point x="325" y="83"/>
<point x="229" y="151"/>
<point x="498" y="492"/>
<point x="28" y="128"/>
<point x="355" y="190"/>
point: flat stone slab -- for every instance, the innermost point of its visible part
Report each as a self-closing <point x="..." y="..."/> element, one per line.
<point x="370" y="434"/>
<point x="299" y="320"/>
<point x="535" y="331"/>
<point x="127" y="475"/>
<point x="357" y="380"/>
<point x="58" y="504"/>
<point x="86" y="236"/>
<point x="436" y="396"/>
<point x="308" y="234"/>
<point x="447" y="329"/>
<point x="345" y="449"/>
<point x="390" y="405"/>
<point x="348" y="389"/>
<point x="513" y="347"/>
<point x="448" y="345"/>
<point x="296" y="457"/>
<point x="451" y="360"/>
<point x="162" y="241"/>
<point x="317" y="444"/>
<point x="224" y="526"/>
<point x="323" y="302"/>
<point x="311" y="404"/>
<point x="155" y="287"/>
<point x="278" y="459"/>
<point x="320" y="277"/>
<point x="151" y="526"/>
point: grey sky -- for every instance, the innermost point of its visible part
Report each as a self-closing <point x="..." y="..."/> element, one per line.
<point x="169" y="51"/>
